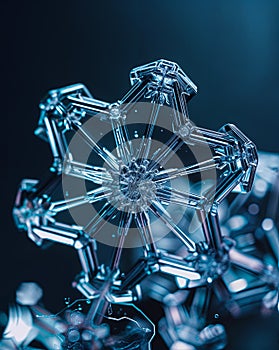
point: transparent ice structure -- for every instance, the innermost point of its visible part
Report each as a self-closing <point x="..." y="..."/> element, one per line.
<point x="24" y="327"/>
<point x="252" y="222"/>
<point x="31" y="326"/>
<point x="134" y="174"/>
<point x="247" y="287"/>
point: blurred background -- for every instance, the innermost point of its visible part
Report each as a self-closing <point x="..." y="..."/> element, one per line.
<point x="230" y="49"/>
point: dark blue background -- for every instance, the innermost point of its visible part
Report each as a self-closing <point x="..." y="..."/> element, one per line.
<point x="230" y="49"/>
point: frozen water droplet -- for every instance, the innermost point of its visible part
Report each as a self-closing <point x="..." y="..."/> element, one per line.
<point x="73" y="335"/>
<point x="87" y="335"/>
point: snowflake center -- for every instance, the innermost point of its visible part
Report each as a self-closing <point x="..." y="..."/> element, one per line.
<point x="135" y="181"/>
